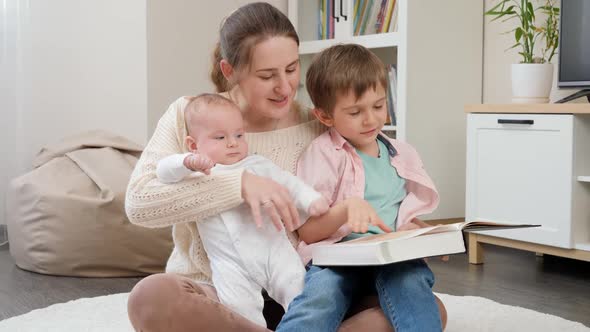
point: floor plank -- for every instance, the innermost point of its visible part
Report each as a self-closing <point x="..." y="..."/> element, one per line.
<point x="22" y="291"/>
<point x="547" y="284"/>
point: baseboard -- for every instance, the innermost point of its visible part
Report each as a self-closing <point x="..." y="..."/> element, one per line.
<point x="3" y="235"/>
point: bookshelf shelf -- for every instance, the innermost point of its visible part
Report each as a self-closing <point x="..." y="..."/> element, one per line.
<point x="380" y="40"/>
<point x="584" y="178"/>
<point x="389" y="128"/>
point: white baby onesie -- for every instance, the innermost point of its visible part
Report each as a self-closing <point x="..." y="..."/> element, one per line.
<point x="244" y="258"/>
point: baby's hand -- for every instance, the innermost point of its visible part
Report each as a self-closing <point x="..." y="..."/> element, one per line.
<point x="198" y="162"/>
<point x="319" y="207"/>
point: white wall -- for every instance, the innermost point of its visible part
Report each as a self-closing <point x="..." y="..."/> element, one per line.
<point x="497" y="61"/>
<point x="70" y="66"/>
<point x="84" y="67"/>
<point x="9" y="66"/>
<point x="444" y="73"/>
<point x="181" y="37"/>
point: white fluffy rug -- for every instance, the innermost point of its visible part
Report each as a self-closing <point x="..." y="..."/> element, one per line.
<point x="109" y="313"/>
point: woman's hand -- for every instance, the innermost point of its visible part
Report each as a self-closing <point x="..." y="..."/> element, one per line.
<point x="360" y="214"/>
<point x="274" y="199"/>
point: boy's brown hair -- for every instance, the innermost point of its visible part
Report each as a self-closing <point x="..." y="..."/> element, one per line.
<point x="341" y="68"/>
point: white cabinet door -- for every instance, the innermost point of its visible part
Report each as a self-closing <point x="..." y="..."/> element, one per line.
<point x="519" y="170"/>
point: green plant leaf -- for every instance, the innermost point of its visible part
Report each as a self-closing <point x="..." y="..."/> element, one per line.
<point x="531" y="10"/>
<point x="518" y="34"/>
<point x="515" y="46"/>
<point x="528" y="17"/>
<point x="502" y="14"/>
<point x="494" y="8"/>
<point x="529" y="32"/>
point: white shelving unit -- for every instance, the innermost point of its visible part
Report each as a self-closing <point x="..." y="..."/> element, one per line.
<point x="437" y="50"/>
<point x="389" y="39"/>
<point x="303" y="15"/>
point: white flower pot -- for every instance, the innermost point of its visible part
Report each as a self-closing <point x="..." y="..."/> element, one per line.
<point x="531" y="82"/>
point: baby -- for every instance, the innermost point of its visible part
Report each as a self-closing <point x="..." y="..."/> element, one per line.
<point x="244" y="258"/>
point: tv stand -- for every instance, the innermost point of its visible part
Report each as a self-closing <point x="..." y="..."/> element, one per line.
<point x="581" y="93"/>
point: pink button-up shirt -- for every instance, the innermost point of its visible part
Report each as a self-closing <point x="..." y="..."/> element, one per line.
<point x="332" y="166"/>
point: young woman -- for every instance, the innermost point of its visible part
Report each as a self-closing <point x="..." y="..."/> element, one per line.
<point x="256" y="64"/>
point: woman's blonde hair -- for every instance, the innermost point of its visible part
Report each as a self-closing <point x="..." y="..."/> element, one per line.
<point x="241" y="31"/>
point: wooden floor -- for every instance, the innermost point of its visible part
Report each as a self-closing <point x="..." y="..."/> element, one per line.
<point x="547" y="284"/>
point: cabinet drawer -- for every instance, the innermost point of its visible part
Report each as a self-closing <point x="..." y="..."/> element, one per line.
<point x="519" y="170"/>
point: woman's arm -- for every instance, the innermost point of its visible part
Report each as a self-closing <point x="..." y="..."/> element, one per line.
<point x="171" y="169"/>
<point x="150" y="203"/>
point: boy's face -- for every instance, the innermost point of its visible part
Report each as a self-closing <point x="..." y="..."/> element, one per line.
<point x="219" y="134"/>
<point x="359" y="121"/>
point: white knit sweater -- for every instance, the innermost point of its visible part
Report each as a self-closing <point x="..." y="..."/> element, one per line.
<point x="150" y="203"/>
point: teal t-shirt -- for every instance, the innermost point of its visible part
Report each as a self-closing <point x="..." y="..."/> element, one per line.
<point x="384" y="189"/>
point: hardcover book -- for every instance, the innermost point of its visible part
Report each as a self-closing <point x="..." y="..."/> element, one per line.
<point x="400" y="246"/>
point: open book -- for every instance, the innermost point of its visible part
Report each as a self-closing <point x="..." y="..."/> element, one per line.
<point x="400" y="246"/>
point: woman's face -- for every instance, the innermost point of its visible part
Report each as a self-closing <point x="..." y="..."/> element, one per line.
<point x="270" y="82"/>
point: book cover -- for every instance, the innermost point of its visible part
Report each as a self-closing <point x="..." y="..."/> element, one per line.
<point x="369" y="29"/>
<point x="390" y="5"/>
<point x="380" y="16"/>
<point x="394" y="18"/>
<point x="390" y="112"/>
<point x="367" y="16"/>
<point x="392" y="93"/>
<point x="358" y="5"/>
<point x="401" y="246"/>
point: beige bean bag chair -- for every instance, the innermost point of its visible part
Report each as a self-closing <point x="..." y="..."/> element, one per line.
<point x="66" y="217"/>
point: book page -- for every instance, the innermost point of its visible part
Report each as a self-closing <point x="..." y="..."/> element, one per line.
<point x="391" y="236"/>
<point x="490" y="225"/>
<point x="402" y="235"/>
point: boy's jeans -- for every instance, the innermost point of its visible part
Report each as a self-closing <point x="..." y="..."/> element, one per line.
<point x="404" y="290"/>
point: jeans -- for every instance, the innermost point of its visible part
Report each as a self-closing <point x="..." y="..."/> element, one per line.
<point x="404" y="290"/>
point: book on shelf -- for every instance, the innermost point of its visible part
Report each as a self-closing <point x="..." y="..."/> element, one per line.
<point x="374" y="16"/>
<point x="325" y="19"/>
<point x="388" y="15"/>
<point x="394" y="18"/>
<point x="381" y="249"/>
<point x="392" y="94"/>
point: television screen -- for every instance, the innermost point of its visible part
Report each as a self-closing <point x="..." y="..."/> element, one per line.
<point x="574" y="48"/>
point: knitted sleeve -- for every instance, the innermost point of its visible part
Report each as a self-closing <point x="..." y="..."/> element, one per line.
<point x="150" y="203"/>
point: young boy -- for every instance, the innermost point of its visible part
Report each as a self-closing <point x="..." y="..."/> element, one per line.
<point x="240" y="265"/>
<point x="374" y="184"/>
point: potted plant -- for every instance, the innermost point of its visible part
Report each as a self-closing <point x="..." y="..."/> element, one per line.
<point x="532" y="78"/>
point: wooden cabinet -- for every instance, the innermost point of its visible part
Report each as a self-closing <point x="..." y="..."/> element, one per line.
<point x="529" y="167"/>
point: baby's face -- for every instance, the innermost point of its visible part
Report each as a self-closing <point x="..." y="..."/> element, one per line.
<point x="220" y="135"/>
